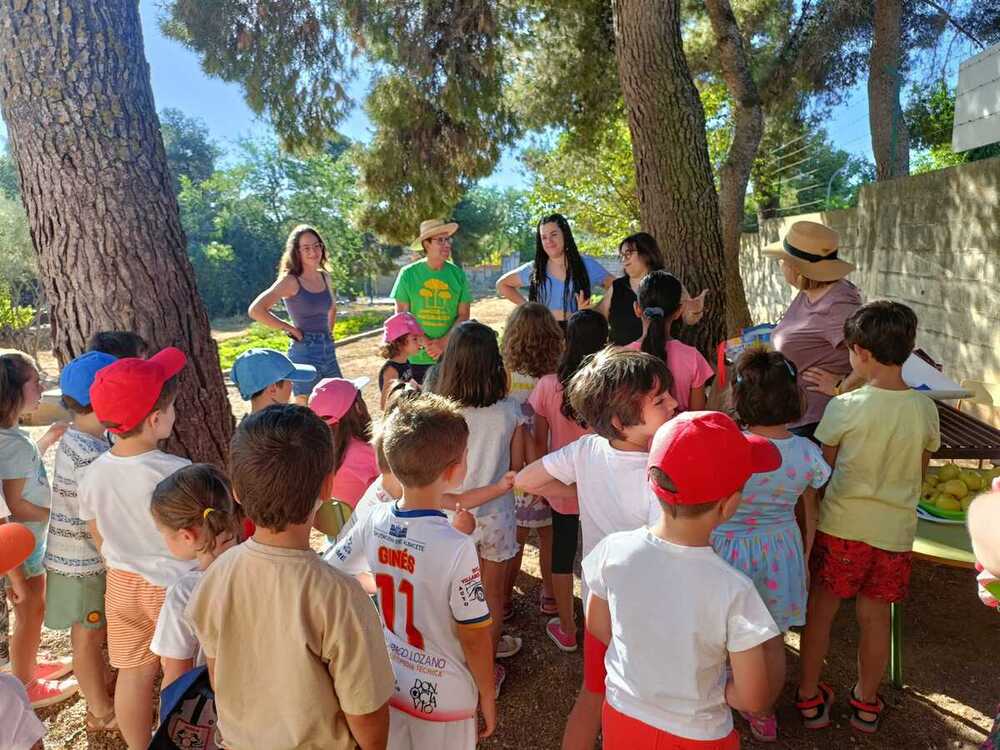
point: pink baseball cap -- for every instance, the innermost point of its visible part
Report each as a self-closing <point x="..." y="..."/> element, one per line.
<point x="707" y="457"/>
<point x="400" y="325"/>
<point x="332" y="398"/>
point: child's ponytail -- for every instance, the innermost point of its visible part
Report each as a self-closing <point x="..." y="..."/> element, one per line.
<point x="198" y="496"/>
<point x="15" y="370"/>
<point x="659" y="302"/>
<point x="586" y="334"/>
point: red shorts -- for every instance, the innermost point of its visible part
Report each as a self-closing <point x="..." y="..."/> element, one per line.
<point x="848" y="568"/>
<point x="622" y="732"/>
<point x="594" y="672"/>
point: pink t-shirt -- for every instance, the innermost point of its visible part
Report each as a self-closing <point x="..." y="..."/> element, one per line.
<point x="358" y="470"/>
<point x="688" y="368"/>
<point x="812" y="335"/>
<point x="546" y="401"/>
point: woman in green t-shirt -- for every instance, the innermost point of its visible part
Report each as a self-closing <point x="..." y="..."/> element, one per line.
<point x="435" y="291"/>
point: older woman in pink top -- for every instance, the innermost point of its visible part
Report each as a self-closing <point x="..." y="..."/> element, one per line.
<point x="811" y="332"/>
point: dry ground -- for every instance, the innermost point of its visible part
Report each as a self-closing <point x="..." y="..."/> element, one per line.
<point x="948" y="701"/>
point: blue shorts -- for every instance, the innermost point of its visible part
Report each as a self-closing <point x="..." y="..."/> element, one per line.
<point x="318" y="350"/>
<point x="34" y="565"/>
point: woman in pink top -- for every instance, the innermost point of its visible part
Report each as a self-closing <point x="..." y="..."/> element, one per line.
<point x="660" y="304"/>
<point x="339" y="403"/>
<point x="556" y="424"/>
<point x="811" y="332"/>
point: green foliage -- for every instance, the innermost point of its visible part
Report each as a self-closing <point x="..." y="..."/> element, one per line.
<point x="190" y="151"/>
<point x="10" y="186"/>
<point x="493" y="223"/>
<point x="13" y="318"/>
<point x="261" y="337"/>
<point x="930" y="117"/>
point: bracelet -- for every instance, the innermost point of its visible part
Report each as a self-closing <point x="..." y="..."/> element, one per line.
<point x="836" y="388"/>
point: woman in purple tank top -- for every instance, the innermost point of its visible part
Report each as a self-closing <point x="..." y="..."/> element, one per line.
<point x="312" y="305"/>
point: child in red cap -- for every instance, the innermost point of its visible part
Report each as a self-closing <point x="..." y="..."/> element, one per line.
<point x="134" y="399"/>
<point x="661" y="596"/>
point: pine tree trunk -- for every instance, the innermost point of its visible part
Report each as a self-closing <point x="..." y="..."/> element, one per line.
<point x="890" y="136"/>
<point x="677" y="199"/>
<point x="76" y="97"/>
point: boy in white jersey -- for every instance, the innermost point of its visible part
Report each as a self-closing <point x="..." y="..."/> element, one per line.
<point x="623" y="395"/>
<point x="430" y="594"/>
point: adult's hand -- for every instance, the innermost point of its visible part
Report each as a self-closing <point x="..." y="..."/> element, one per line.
<point x="693" y="307"/>
<point x="821" y="381"/>
<point x="434" y="347"/>
<point x="294" y="333"/>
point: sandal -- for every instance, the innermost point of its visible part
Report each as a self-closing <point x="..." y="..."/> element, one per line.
<point x="107" y="723"/>
<point x="820" y="704"/>
<point x="547" y="605"/>
<point x="858" y="707"/>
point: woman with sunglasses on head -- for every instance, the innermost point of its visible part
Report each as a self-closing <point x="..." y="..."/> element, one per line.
<point x="304" y="285"/>
<point x="559" y="277"/>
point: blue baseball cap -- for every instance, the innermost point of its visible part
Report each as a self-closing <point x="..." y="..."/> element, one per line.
<point x="255" y="369"/>
<point x="78" y="375"/>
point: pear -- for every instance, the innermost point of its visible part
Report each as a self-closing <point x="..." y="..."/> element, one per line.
<point x="954" y="487"/>
<point x="948" y="471"/>
<point x="966" y="501"/>
<point x="947" y="502"/>
<point x="972" y="480"/>
<point x="927" y="494"/>
<point x="931" y="480"/>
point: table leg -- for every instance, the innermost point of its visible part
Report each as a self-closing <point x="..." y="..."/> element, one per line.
<point x="896" y="644"/>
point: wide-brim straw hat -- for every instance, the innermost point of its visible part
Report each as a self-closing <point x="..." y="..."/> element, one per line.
<point x="435" y="227"/>
<point x="812" y="249"/>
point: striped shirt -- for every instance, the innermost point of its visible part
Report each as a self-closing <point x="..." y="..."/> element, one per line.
<point x="71" y="550"/>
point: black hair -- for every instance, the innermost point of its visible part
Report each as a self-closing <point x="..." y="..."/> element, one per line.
<point x="578" y="280"/>
<point x="659" y="300"/>
<point x="471" y="369"/>
<point x="766" y="389"/>
<point x="119" y="344"/>
<point x="887" y="329"/>
<point x="586" y="334"/>
<point x="645" y="245"/>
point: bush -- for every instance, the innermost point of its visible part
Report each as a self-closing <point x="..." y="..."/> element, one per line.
<point x="261" y="337"/>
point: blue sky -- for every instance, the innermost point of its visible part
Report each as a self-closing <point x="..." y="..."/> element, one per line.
<point x="179" y="82"/>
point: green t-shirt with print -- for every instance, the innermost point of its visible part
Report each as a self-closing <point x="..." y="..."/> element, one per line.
<point x="433" y="297"/>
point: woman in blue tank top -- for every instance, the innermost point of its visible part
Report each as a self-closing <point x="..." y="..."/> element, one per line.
<point x="305" y="287"/>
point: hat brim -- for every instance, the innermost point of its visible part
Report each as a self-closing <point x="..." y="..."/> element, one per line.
<point x="301" y="373"/>
<point x="764" y="455"/>
<point x="171" y="360"/>
<point x="821" y="270"/>
<point x="361" y="382"/>
<point x="447" y="229"/>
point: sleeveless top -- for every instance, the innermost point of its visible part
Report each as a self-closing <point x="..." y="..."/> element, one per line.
<point x="310" y="311"/>
<point x="404" y="369"/>
<point x="625" y="326"/>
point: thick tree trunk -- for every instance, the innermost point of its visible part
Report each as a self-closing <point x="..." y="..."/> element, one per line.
<point x="677" y="198"/>
<point x="890" y="137"/>
<point x="76" y="97"/>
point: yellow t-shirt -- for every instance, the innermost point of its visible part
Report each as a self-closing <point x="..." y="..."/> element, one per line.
<point x="881" y="436"/>
<point x="296" y="645"/>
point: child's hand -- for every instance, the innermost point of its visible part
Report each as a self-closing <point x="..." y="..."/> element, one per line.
<point x="55" y="431"/>
<point x="819" y="380"/>
<point x="463" y="520"/>
<point x="488" y="708"/>
<point x="506" y="482"/>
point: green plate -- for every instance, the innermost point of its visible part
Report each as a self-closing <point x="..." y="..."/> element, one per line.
<point x="953" y="515"/>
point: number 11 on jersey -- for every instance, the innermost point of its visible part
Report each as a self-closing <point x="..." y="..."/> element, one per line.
<point x="387" y="598"/>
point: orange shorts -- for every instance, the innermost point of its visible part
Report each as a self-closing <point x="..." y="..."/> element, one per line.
<point x="622" y="732"/>
<point x="131" y="605"/>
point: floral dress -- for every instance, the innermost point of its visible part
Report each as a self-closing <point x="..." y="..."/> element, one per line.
<point x="763" y="540"/>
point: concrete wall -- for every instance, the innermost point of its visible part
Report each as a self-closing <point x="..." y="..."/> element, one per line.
<point x="931" y="241"/>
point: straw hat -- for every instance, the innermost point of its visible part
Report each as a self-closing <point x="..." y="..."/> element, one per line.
<point x="434" y="227"/>
<point x="812" y="249"/>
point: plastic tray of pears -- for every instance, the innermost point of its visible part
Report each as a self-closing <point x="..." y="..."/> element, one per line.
<point x="948" y="490"/>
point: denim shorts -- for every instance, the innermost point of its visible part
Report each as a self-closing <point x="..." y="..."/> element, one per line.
<point x="34" y="566"/>
<point x="318" y="350"/>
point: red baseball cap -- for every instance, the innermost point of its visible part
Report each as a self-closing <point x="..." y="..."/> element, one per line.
<point x="125" y="392"/>
<point x="707" y="457"/>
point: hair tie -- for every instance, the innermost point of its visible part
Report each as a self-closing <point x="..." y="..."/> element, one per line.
<point x="206" y="512"/>
<point x="653" y="312"/>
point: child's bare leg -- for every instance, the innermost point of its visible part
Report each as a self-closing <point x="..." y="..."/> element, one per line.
<point x="822" y="608"/>
<point x="514" y="566"/>
<point x="774" y="660"/>
<point x="584" y="722"/>
<point x="545" y="558"/>
<point x="562" y="588"/>
<point x="90" y="670"/>
<point x="494" y="580"/>
<point x="873" y="648"/>
<point x="134" y="703"/>
<point x="28" y="616"/>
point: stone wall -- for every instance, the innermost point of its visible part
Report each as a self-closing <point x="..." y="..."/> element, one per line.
<point x="931" y="241"/>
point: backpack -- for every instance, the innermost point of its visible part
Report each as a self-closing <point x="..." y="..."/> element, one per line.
<point x="187" y="714"/>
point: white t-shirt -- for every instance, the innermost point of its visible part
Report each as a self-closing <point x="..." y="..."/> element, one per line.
<point x="373" y="497"/>
<point x="429" y="583"/>
<point x="490" y="431"/>
<point x="20" y="729"/>
<point x="174" y="636"/>
<point x="611" y="487"/>
<point x="676" y="612"/>
<point x="116" y="492"/>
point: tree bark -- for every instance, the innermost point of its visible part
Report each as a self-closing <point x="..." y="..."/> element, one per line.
<point x="890" y="136"/>
<point x="76" y="97"/>
<point x="677" y="199"/>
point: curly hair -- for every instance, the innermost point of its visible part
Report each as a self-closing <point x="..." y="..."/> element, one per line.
<point x="532" y="341"/>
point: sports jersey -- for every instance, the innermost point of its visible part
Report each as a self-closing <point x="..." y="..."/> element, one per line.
<point x="428" y="580"/>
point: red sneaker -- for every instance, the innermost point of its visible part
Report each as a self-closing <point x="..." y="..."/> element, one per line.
<point x="44" y="693"/>
<point x="565" y="641"/>
<point x="53" y="670"/>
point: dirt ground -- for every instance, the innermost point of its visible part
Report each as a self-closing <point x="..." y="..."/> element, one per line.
<point x="948" y="701"/>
